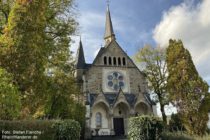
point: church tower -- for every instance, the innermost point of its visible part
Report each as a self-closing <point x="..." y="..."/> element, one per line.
<point x="114" y="87"/>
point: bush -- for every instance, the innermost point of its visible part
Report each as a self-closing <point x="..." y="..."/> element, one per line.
<point x="175" y="136"/>
<point x="67" y="130"/>
<point x="182" y="136"/>
<point x="43" y="129"/>
<point x="175" y="123"/>
<point x="9" y="97"/>
<point x="43" y="126"/>
<point x="145" y="128"/>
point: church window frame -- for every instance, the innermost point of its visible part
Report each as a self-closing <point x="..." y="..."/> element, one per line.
<point x="98" y="120"/>
<point x="114" y="61"/>
<point x="110" y="60"/>
<point x="119" y="61"/>
<point x="124" y="61"/>
<point x="105" y="60"/>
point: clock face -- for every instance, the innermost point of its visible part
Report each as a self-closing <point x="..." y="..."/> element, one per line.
<point x="115" y="81"/>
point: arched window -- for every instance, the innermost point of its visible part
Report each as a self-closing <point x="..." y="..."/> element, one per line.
<point x="114" y="61"/>
<point x="110" y="61"/>
<point x="98" y="120"/>
<point x="124" y="63"/>
<point x="105" y="60"/>
<point x="119" y="61"/>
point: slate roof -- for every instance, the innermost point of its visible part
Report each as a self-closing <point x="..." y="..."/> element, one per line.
<point x="92" y="98"/>
<point x="80" y="59"/>
<point x="111" y="98"/>
<point x="87" y="66"/>
<point x="131" y="99"/>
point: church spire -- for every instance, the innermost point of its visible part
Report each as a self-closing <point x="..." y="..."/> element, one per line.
<point x="80" y="59"/>
<point x="109" y="32"/>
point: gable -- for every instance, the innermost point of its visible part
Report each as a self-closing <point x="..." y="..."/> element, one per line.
<point x="113" y="51"/>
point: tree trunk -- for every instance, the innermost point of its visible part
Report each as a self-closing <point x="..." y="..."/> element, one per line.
<point x="163" y="113"/>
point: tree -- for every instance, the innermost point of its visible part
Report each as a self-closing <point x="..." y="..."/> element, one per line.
<point x="23" y="49"/>
<point x="156" y="72"/>
<point x="187" y="90"/>
<point x="5" y="6"/>
<point x="63" y="91"/>
<point x="35" y="40"/>
<point x="9" y="97"/>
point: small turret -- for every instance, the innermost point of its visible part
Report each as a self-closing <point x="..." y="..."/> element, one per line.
<point x="80" y="62"/>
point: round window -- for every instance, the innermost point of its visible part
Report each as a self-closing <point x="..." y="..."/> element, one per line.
<point x="115" y="81"/>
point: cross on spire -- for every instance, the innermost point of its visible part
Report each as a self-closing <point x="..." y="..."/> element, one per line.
<point x="108" y="2"/>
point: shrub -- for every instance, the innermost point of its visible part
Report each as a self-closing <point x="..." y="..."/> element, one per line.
<point x="44" y="129"/>
<point x="9" y="97"/>
<point x="175" y="123"/>
<point x="145" y="128"/>
<point x="67" y="130"/>
<point x="182" y="136"/>
<point x="175" y="136"/>
<point x="43" y="126"/>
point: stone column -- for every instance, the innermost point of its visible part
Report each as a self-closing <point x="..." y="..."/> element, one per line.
<point x="111" y="125"/>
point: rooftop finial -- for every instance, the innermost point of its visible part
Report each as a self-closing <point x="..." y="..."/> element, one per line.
<point x="108" y="1"/>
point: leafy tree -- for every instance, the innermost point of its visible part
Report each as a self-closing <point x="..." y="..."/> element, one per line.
<point x="61" y="96"/>
<point x="9" y="97"/>
<point x="175" y="124"/>
<point x="156" y="71"/>
<point x="5" y="6"/>
<point x="188" y="92"/>
<point x="35" y="41"/>
<point x="23" y="49"/>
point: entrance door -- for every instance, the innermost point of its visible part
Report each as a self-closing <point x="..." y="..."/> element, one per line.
<point x="119" y="126"/>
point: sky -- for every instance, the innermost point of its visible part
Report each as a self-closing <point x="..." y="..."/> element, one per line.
<point x="154" y="22"/>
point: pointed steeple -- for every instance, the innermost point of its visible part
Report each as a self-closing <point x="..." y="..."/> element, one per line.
<point x="109" y="31"/>
<point x="80" y="59"/>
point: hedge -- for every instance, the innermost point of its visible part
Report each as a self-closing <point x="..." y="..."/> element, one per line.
<point x="182" y="136"/>
<point x="40" y="129"/>
<point x="67" y="130"/>
<point x="145" y="128"/>
<point x="176" y="136"/>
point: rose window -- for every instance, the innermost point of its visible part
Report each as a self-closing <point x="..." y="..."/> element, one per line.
<point x="115" y="81"/>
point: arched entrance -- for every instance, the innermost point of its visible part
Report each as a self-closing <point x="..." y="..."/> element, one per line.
<point x="141" y="109"/>
<point x="120" y="115"/>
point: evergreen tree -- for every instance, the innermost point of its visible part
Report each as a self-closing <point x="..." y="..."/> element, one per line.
<point x="187" y="90"/>
<point x="156" y="71"/>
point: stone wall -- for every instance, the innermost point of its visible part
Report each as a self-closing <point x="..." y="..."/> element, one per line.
<point x="94" y="78"/>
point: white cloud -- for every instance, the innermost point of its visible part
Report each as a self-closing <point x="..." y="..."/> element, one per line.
<point x="191" y="24"/>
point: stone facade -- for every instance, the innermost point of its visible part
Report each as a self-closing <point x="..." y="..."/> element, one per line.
<point x="115" y="89"/>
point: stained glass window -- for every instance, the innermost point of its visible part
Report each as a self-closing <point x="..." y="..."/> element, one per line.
<point x="98" y="119"/>
<point x="115" y="81"/>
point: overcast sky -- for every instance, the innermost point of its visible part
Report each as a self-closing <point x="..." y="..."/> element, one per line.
<point x="139" y="22"/>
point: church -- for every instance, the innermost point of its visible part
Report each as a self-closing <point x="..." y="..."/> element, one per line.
<point x="113" y="86"/>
